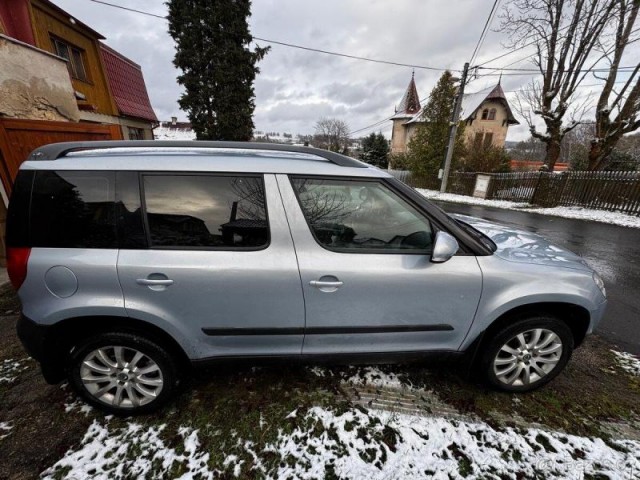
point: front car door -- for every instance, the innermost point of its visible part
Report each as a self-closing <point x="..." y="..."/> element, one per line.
<point x="368" y="282"/>
<point x="220" y="273"/>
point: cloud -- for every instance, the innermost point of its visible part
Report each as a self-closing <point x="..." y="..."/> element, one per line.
<point x="295" y="87"/>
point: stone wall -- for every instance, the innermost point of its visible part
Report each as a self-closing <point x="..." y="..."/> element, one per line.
<point x="34" y="84"/>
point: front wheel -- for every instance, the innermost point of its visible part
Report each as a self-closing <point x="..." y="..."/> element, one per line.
<point x="123" y="373"/>
<point x="527" y="354"/>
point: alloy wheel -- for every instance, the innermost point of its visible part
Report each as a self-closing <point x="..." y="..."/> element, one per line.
<point x="528" y="357"/>
<point x="122" y="377"/>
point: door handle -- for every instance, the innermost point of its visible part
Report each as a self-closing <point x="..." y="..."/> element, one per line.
<point x="151" y="282"/>
<point x="322" y="284"/>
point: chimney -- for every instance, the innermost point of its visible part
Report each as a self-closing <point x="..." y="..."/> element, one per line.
<point x="174" y="120"/>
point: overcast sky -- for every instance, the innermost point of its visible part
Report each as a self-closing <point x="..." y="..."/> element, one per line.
<point x="295" y="87"/>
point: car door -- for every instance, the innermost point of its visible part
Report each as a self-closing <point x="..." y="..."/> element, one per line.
<point x="368" y="282"/>
<point x="220" y="273"/>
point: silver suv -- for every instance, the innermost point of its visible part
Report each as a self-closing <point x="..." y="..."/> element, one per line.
<point x="136" y="260"/>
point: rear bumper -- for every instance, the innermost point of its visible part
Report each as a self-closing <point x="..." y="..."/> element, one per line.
<point x="38" y="344"/>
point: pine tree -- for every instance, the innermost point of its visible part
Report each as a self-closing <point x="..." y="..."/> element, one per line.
<point x="375" y="150"/>
<point x="218" y="68"/>
<point x="428" y="146"/>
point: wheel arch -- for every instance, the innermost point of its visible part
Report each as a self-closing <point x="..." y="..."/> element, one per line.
<point x="576" y="317"/>
<point x="63" y="336"/>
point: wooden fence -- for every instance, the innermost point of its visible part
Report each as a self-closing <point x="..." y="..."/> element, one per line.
<point x="613" y="191"/>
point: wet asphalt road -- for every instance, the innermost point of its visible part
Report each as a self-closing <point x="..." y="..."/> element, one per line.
<point x="614" y="252"/>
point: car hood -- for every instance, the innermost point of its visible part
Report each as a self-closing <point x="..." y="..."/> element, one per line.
<point x="517" y="245"/>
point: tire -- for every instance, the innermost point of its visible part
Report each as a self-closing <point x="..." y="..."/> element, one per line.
<point x="545" y="351"/>
<point x="123" y="373"/>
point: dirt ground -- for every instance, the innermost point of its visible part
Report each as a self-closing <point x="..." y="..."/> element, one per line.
<point x="592" y="397"/>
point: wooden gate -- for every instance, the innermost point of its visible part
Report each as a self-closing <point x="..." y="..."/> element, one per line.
<point x="18" y="138"/>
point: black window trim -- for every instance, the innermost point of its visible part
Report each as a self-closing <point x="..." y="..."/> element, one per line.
<point x="435" y="226"/>
<point x="145" y="219"/>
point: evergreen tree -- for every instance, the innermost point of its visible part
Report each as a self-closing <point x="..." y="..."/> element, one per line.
<point x="375" y="150"/>
<point x="428" y="146"/>
<point x="218" y="68"/>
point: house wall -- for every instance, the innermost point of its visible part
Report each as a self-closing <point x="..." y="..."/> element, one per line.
<point x="48" y="22"/>
<point x="497" y="127"/>
<point x="123" y="122"/>
<point x="34" y="84"/>
<point x="398" y="136"/>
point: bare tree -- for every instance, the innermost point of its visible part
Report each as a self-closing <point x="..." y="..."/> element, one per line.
<point x="565" y="35"/>
<point x="618" y="110"/>
<point x="332" y="134"/>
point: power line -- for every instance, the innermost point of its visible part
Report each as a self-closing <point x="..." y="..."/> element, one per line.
<point x="484" y="30"/>
<point x="292" y="45"/>
<point x="531" y="70"/>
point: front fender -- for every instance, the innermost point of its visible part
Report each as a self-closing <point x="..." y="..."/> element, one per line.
<point x="509" y="285"/>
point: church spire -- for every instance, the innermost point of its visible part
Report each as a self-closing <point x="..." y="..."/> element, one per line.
<point x="410" y="102"/>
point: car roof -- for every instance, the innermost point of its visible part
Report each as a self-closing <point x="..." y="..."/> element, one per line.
<point x="195" y="156"/>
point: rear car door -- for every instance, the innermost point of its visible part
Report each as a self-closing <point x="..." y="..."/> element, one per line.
<point x="369" y="285"/>
<point x="220" y="272"/>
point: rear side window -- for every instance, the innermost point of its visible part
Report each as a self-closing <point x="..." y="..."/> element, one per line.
<point x="206" y="211"/>
<point x="73" y="210"/>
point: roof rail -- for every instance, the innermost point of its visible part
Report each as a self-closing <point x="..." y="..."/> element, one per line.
<point x="54" y="151"/>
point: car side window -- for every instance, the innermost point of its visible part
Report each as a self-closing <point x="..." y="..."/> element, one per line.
<point x="206" y="211"/>
<point x="73" y="210"/>
<point x="361" y="215"/>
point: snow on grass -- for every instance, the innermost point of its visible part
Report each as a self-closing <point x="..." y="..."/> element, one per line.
<point x="131" y="452"/>
<point x="375" y="377"/>
<point x="5" y="428"/>
<point x="579" y="213"/>
<point x="350" y="443"/>
<point x="379" y="445"/>
<point x="11" y="368"/>
<point x="628" y="362"/>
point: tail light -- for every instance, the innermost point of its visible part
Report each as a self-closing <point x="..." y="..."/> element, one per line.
<point x="17" y="259"/>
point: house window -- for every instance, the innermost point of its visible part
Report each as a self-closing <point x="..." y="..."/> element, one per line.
<point x="136" y="133"/>
<point x="477" y="142"/>
<point x="492" y="114"/>
<point x="74" y="57"/>
<point x="488" y="140"/>
<point x="485" y="113"/>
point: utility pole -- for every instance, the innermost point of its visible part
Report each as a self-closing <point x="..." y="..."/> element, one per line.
<point x="453" y="129"/>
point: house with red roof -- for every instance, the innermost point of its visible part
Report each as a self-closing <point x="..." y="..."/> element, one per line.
<point x="108" y="88"/>
<point x="487" y="118"/>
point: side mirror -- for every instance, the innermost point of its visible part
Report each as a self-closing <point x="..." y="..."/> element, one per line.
<point x="444" y="248"/>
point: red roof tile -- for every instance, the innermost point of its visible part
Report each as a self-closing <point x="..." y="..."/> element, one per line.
<point x="127" y="85"/>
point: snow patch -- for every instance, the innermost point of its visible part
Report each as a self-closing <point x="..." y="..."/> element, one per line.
<point x="354" y="444"/>
<point x="379" y="445"/>
<point x="11" y="368"/>
<point x="374" y="377"/>
<point x="578" y="213"/>
<point x="166" y="133"/>
<point x="628" y="362"/>
<point x="5" y="428"/>
<point x="105" y="454"/>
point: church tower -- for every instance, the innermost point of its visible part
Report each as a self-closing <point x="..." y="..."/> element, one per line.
<point x="409" y="106"/>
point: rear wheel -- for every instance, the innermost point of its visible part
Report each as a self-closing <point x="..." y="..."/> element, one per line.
<point x="123" y="373"/>
<point x="527" y="353"/>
